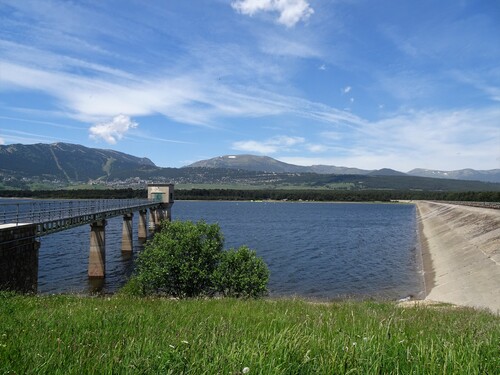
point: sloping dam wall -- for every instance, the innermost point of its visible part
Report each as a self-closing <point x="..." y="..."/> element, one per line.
<point x="461" y="254"/>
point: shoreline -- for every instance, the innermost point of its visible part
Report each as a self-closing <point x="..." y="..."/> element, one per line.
<point x="460" y="248"/>
<point x="426" y="262"/>
<point x="394" y="202"/>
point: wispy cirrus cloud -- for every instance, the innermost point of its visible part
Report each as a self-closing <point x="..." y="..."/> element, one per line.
<point x="191" y="98"/>
<point x="27" y="55"/>
<point x="18" y="136"/>
<point x="484" y="83"/>
<point x="290" y="11"/>
<point x="281" y="46"/>
<point x="93" y="99"/>
<point x="32" y="121"/>
<point x="435" y="139"/>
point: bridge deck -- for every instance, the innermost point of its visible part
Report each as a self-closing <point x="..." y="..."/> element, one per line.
<point x="57" y="215"/>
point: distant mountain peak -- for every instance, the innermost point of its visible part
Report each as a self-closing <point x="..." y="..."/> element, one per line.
<point x="492" y="175"/>
<point x="65" y="161"/>
<point x="247" y="162"/>
<point x="387" y="172"/>
<point x="268" y="164"/>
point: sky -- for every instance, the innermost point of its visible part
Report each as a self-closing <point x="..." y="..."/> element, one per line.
<point x="396" y="84"/>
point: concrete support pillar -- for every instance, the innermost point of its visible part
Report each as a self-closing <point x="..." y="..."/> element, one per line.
<point x="143" y="234"/>
<point x="168" y="211"/>
<point x="160" y="215"/>
<point x="18" y="258"/>
<point x="97" y="255"/>
<point x="127" y="234"/>
<point x="152" y="220"/>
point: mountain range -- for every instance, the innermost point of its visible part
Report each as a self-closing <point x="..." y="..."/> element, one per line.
<point x="65" y="162"/>
<point x="267" y="164"/>
<point x="60" y="165"/>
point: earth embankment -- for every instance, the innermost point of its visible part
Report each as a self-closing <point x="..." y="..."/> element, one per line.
<point x="461" y="254"/>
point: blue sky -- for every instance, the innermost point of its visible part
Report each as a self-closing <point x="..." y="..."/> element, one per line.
<point x="400" y="84"/>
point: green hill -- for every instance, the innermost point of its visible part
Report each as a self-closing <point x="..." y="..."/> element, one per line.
<point x="63" y="165"/>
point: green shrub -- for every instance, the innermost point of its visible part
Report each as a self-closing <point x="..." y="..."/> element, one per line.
<point x="133" y="287"/>
<point x="241" y="273"/>
<point x="180" y="259"/>
<point x="186" y="259"/>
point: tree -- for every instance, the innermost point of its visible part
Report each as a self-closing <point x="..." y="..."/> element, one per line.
<point x="180" y="259"/>
<point x="186" y="259"/>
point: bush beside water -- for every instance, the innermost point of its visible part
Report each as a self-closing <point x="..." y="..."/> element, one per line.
<point x="186" y="259"/>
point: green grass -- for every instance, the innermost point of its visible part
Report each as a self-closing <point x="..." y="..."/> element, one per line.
<point x="120" y="335"/>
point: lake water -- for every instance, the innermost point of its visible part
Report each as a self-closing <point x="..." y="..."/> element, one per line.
<point x="313" y="250"/>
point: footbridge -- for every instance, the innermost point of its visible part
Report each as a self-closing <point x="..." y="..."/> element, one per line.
<point x="22" y="223"/>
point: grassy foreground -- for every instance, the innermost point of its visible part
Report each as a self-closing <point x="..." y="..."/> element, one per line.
<point x="78" y="335"/>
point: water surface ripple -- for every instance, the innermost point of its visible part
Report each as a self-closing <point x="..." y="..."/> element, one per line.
<point x="313" y="250"/>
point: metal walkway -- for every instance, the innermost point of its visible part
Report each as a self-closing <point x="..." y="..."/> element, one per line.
<point x="56" y="215"/>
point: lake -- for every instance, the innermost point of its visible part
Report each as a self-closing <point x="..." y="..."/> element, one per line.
<point x="313" y="250"/>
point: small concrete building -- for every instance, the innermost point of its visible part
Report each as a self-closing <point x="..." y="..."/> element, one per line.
<point x="161" y="193"/>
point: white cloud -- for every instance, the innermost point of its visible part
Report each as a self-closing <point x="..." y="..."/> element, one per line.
<point x="114" y="130"/>
<point x="322" y="67"/>
<point x="191" y="98"/>
<point x="286" y="141"/>
<point x="434" y="139"/>
<point x="94" y="99"/>
<point x="346" y="89"/>
<point x="254" y="146"/>
<point x="445" y="140"/>
<point x="2" y="141"/>
<point x="269" y="146"/>
<point x="316" y="148"/>
<point x="290" y="11"/>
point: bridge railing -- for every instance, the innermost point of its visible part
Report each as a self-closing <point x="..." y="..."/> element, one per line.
<point x="39" y="211"/>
